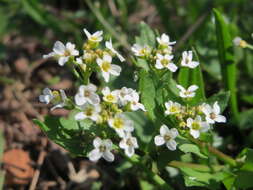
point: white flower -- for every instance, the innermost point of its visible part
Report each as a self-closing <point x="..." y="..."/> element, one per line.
<point x="189" y="93"/>
<point x="164" y="61"/>
<point x="128" y="143"/>
<point x="110" y="96"/>
<point x="122" y="95"/>
<point x="164" y="40"/>
<point x="121" y="124"/>
<point x="58" y="98"/>
<point x="108" y="45"/>
<point x="187" y="60"/>
<point x="133" y="99"/>
<point x="197" y="126"/>
<point x="89" y="111"/>
<point x="87" y="94"/>
<point x="62" y="52"/>
<point x="172" y="108"/>
<point x="96" y="37"/>
<point x="140" y="51"/>
<point x="167" y="136"/>
<point x="102" y="149"/>
<point x="107" y="68"/>
<point x="213" y="114"/>
<point x="238" y="41"/>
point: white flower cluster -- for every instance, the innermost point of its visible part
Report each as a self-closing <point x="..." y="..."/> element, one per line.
<point x="107" y="110"/>
<point x="162" y="54"/>
<point x="93" y="58"/>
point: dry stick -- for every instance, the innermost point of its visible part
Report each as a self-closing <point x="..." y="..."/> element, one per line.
<point x="191" y="30"/>
<point x="40" y="161"/>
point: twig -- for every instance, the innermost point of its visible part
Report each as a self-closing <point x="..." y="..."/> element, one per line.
<point x="40" y="161"/>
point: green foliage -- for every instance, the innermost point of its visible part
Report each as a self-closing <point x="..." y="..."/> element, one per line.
<point x="191" y="148"/>
<point x="221" y="97"/>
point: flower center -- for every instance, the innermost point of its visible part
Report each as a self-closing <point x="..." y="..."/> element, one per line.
<point x="106" y="66"/>
<point x="167" y="137"/>
<point x="86" y="93"/>
<point x="88" y="111"/>
<point x="57" y="97"/>
<point x="67" y="53"/>
<point x="102" y="148"/>
<point x="164" y="62"/>
<point x="93" y="38"/>
<point x="212" y="115"/>
<point x="173" y="109"/>
<point x="196" y="126"/>
<point x="129" y="142"/>
<point x="110" y="98"/>
<point x="118" y="123"/>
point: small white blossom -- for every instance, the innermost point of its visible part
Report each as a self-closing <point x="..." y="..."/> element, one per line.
<point x="107" y="68"/>
<point x="197" y="126"/>
<point x="140" y="51"/>
<point x="164" y="40"/>
<point x="128" y="143"/>
<point x="58" y="98"/>
<point x="164" y="61"/>
<point x="110" y="96"/>
<point x="96" y="37"/>
<point x="213" y="114"/>
<point x="90" y="111"/>
<point x="121" y="124"/>
<point x="108" y="45"/>
<point x="187" y="93"/>
<point x="62" y="52"/>
<point x="123" y="93"/>
<point x="102" y="149"/>
<point x="238" y="41"/>
<point x="167" y="137"/>
<point x="172" y="108"/>
<point x="133" y="99"/>
<point x="187" y="60"/>
<point x="87" y="94"/>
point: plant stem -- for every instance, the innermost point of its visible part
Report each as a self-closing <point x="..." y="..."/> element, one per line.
<point x="199" y="167"/>
<point x="220" y="155"/>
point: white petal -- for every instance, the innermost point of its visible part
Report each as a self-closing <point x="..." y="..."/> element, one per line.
<point x="172" y="67"/>
<point x="193" y="88"/>
<point x="80" y="116"/>
<point x="129" y="151"/>
<point x="173" y="133"/>
<point x="52" y="54"/>
<point x="159" y="140"/>
<point x="94" y="155"/>
<point x="87" y="33"/>
<point x="106" y="76"/>
<point x="107" y="58"/>
<point x="59" y="48"/>
<point x="63" y="60"/>
<point x="209" y="120"/>
<point x="216" y="108"/>
<point x="171" y="145"/>
<point x="194" y="133"/>
<point x="97" y="142"/>
<point x="115" y="70"/>
<point x="79" y="100"/>
<point x="181" y="88"/>
<point x="108" y="156"/>
<point x="204" y="126"/>
<point x="121" y="58"/>
<point x="123" y="144"/>
<point x="108" y="144"/>
<point x="164" y="130"/>
<point x="94" y="98"/>
<point x="193" y="64"/>
<point x="220" y="119"/>
<point x="159" y="65"/>
<point x="189" y="122"/>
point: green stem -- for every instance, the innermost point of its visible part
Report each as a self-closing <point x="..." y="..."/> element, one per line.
<point x="198" y="167"/>
<point x="220" y="155"/>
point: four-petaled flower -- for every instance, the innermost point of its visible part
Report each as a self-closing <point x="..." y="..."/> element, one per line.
<point x="87" y="94"/>
<point x="213" y="113"/>
<point x="89" y="111"/>
<point x="122" y="95"/>
<point x="95" y="38"/>
<point x="107" y="68"/>
<point x="187" y="60"/>
<point x="172" y="108"/>
<point x="164" y="61"/>
<point x="141" y="51"/>
<point x="110" y="96"/>
<point x="128" y="143"/>
<point x="187" y="93"/>
<point x="108" y="45"/>
<point x="58" y="98"/>
<point x="133" y="99"/>
<point x="62" y="52"/>
<point x="164" y="40"/>
<point x="197" y="126"/>
<point x="167" y="137"/>
<point x="102" y="149"/>
<point x="121" y="124"/>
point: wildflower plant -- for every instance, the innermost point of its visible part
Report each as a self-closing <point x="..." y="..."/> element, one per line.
<point x="170" y="101"/>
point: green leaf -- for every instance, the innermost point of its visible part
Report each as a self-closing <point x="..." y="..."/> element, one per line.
<point x="148" y="93"/>
<point x="226" y="58"/>
<point x="147" y="36"/>
<point x="191" y="148"/>
<point x="221" y="97"/>
<point x="248" y="163"/>
<point x="244" y="179"/>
